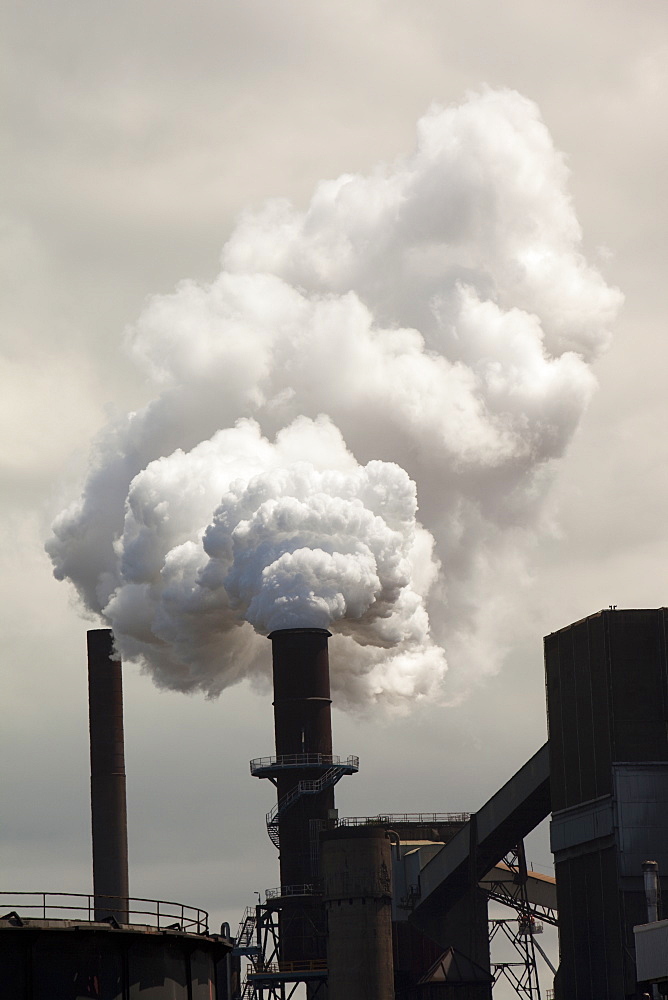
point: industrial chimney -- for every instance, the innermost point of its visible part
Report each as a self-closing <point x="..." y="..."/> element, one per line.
<point x="304" y="771"/>
<point x="303" y="729"/>
<point x="107" y="778"/>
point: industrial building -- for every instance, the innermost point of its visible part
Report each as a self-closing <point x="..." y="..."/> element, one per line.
<point x="395" y="907"/>
<point x="607" y="701"/>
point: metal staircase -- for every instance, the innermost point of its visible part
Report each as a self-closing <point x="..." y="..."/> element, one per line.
<point x="245" y="942"/>
<point x="310" y="787"/>
<point x="270" y="767"/>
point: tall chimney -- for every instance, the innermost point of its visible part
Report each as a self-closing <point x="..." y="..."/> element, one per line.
<point x="107" y="778"/>
<point x="303" y="730"/>
<point x="304" y="772"/>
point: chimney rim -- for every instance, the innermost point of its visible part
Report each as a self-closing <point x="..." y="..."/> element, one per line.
<point x="299" y="631"/>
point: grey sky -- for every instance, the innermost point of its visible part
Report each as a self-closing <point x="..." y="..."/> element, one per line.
<point x="137" y="133"/>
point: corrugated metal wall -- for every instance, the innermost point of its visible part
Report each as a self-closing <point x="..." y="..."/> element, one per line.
<point x="607" y="695"/>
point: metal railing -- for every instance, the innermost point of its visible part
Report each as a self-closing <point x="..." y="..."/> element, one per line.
<point x="246" y="933"/>
<point x="308" y="889"/>
<point x="313" y="787"/>
<point x="160" y="913"/>
<point x="297" y="760"/>
<point x="289" y="968"/>
<point x="387" y="819"/>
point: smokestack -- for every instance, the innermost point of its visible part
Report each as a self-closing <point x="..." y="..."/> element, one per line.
<point x="107" y="778"/>
<point x="304" y="772"/>
<point x="303" y="729"/>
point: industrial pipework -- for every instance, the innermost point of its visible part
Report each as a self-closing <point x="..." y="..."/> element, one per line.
<point x="107" y="778"/>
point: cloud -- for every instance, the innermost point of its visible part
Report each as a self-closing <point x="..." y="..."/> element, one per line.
<point x="441" y="316"/>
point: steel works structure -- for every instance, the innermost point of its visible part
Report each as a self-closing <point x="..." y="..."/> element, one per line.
<point x="304" y="771"/>
<point x="607" y="699"/>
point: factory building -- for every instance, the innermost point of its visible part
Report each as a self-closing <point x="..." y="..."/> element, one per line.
<point x="603" y="776"/>
<point x="607" y="701"/>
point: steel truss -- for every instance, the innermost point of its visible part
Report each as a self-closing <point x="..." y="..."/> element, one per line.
<point x="523" y="974"/>
<point x="520" y="931"/>
<point x="267" y="977"/>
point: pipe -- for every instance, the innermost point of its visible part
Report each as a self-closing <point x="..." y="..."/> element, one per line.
<point x="650" y="871"/>
<point x="107" y="778"/>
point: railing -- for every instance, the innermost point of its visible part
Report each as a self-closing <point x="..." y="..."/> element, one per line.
<point x="297" y="760"/>
<point x="82" y="906"/>
<point x="387" y="819"/>
<point x="290" y="968"/>
<point x="329" y="778"/>
<point x="309" y="889"/>
<point x="246" y="933"/>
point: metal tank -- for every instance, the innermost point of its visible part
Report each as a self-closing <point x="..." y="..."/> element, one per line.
<point x="164" y="953"/>
<point x="356" y="866"/>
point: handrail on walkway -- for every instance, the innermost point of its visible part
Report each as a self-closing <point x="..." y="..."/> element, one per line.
<point x="163" y="914"/>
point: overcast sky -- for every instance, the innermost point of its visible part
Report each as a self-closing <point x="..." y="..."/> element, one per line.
<point x="135" y="134"/>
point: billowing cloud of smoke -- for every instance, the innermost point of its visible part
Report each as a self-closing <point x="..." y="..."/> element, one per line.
<point x="441" y="315"/>
<point x="239" y="537"/>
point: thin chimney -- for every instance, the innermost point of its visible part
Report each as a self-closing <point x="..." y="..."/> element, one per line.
<point x="107" y="778"/>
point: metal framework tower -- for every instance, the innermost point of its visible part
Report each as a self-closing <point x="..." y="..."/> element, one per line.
<point x="269" y="978"/>
<point x="520" y="931"/>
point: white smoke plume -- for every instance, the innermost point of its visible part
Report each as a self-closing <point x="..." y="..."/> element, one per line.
<point x="436" y="317"/>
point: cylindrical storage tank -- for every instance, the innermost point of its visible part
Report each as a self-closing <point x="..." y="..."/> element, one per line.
<point x="356" y="867"/>
<point x="66" y="959"/>
<point x="107" y="778"/>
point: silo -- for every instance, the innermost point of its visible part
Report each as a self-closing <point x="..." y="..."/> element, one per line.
<point x="356" y="865"/>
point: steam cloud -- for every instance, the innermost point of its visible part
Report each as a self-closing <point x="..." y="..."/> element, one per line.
<point x="432" y="323"/>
